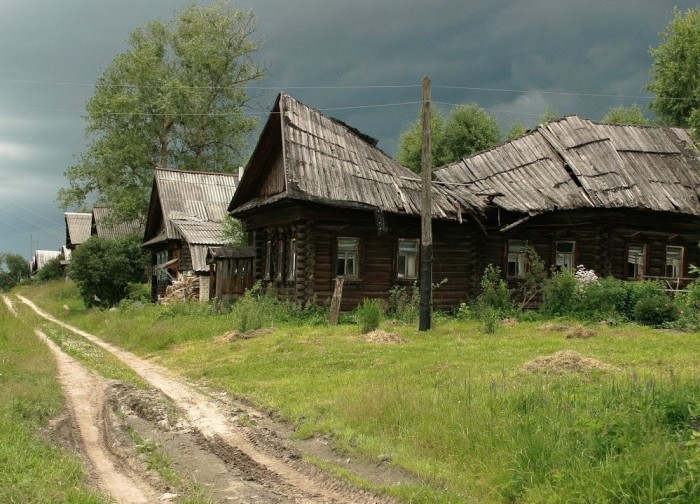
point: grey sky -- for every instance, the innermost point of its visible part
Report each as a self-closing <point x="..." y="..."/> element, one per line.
<point x="513" y="57"/>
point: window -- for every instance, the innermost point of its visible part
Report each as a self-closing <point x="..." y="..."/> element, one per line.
<point x="407" y="263"/>
<point x="517" y="258"/>
<point x="565" y="251"/>
<point x="348" y="257"/>
<point x="636" y="260"/>
<point x="674" y="261"/>
<point x="292" y="259"/>
<point x="279" y="266"/>
<point x="268" y="260"/>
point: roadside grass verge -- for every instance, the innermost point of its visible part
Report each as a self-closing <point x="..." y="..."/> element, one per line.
<point x="31" y="468"/>
<point x="455" y="406"/>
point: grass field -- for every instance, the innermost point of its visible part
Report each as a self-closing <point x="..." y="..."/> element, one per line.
<point x="32" y="470"/>
<point x="453" y="405"/>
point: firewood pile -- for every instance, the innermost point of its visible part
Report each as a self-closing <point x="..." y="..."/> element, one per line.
<point x="184" y="289"/>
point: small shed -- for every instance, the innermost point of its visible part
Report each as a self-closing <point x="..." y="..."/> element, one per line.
<point x="232" y="271"/>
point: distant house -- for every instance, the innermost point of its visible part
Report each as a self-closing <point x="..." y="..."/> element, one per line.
<point x="184" y="219"/>
<point x="320" y="201"/>
<point x="42" y="258"/>
<point x="102" y="226"/>
<point x="78" y="228"/>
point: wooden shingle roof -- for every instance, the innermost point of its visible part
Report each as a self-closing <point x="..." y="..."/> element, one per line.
<point x="325" y="161"/>
<point x="575" y="163"/>
<point x="78" y="226"/>
<point x="102" y="226"/>
<point x="189" y="206"/>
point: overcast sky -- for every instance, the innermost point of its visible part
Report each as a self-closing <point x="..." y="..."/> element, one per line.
<point x="360" y="60"/>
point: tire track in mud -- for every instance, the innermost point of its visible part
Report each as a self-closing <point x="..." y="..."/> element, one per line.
<point x="280" y="471"/>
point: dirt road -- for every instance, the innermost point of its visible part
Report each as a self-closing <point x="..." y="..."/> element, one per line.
<point x="235" y="461"/>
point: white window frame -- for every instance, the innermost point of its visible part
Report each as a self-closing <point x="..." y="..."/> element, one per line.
<point x="565" y="261"/>
<point x="636" y="260"/>
<point x="348" y="255"/>
<point x="676" y="264"/>
<point x="516" y="255"/>
<point x="410" y="257"/>
<point x="279" y="263"/>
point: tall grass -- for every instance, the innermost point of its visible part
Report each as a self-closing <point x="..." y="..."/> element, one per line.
<point x="31" y="468"/>
<point x="453" y="405"/>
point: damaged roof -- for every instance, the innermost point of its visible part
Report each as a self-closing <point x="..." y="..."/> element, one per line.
<point x="574" y="163"/>
<point x="323" y="160"/>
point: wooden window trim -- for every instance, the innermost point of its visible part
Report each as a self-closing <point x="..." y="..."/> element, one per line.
<point x="292" y="259"/>
<point x="645" y="258"/>
<point x="358" y="258"/>
<point x="416" y="266"/>
<point x="520" y="274"/>
<point x="681" y="267"/>
<point x="267" y="267"/>
<point x="574" y="253"/>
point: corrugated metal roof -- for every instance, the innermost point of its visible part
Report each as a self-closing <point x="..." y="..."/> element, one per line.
<point x="78" y="227"/>
<point x="328" y="162"/>
<point x="104" y="229"/>
<point x="197" y="197"/>
<point x="573" y="163"/>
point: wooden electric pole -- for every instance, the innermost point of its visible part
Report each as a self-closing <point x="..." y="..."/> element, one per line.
<point x="426" y="244"/>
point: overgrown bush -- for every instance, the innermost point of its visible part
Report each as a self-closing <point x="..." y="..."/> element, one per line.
<point x="255" y="309"/>
<point x="52" y="270"/>
<point x="561" y="294"/>
<point x="494" y="292"/>
<point x="535" y="277"/>
<point x="606" y="298"/>
<point x="103" y="269"/>
<point x="368" y="315"/>
<point x="403" y="303"/>
<point x="651" y="305"/>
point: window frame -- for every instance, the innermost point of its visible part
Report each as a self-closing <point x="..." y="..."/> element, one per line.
<point x="521" y="258"/>
<point x="292" y="259"/>
<point x="572" y="254"/>
<point x="681" y="261"/>
<point x="347" y="254"/>
<point x="416" y="256"/>
<point x="267" y="267"/>
<point x="638" y="273"/>
<point x="279" y="260"/>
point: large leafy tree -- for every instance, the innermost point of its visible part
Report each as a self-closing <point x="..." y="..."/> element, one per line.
<point x="13" y="269"/>
<point x="104" y="268"/>
<point x="175" y="98"/>
<point x="675" y="73"/>
<point x="467" y="129"/>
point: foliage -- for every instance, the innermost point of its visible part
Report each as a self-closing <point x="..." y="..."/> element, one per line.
<point x="675" y="72"/>
<point x="550" y="114"/>
<point x="51" y="270"/>
<point x="627" y="115"/>
<point x="494" y="292"/>
<point x="103" y="269"/>
<point x="233" y="231"/>
<point x="534" y="278"/>
<point x="175" y="97"/>
<point x="561" y="294"/>
<point x="368" y="314"/>
<point x="468" y="129"/>
<point x="516" y="130"/>
<point x="13" y="269"/>
<point x="651" y="305"/>
<point x="255" y="309"/>
<point x="403" y="303"/>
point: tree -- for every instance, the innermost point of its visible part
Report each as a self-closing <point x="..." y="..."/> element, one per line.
<point x="627" y="115"/>
<point x="174" y="98"/>
<point x="103" y="268"/>
<point x="468" y="129"/>
<point x="517" y="129"/>
<point x="675" y="72"/>
<point x="13" y="269"/>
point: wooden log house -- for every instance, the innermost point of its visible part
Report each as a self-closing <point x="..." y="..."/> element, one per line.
<point x="184" y="220"/>
<point x="320" y="201"/>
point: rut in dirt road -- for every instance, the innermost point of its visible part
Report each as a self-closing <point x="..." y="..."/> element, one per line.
<point x="280" y="471"/>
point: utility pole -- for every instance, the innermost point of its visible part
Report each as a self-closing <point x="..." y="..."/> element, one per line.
<point x="426" y="243"/>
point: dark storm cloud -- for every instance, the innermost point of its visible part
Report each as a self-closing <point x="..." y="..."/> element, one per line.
<point x="53" y="52"/>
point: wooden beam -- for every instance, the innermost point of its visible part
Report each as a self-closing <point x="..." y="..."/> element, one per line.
<point x="426" y="256"/>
